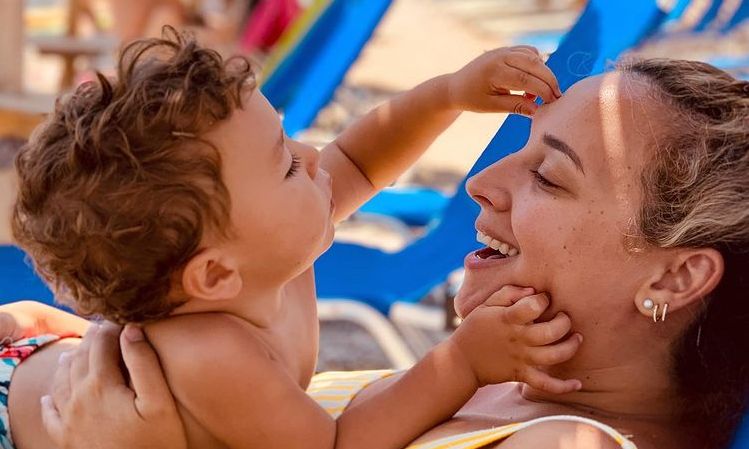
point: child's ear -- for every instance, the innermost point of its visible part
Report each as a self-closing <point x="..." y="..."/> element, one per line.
<point x="686" y="277"/>
<point x="212" y="275"/>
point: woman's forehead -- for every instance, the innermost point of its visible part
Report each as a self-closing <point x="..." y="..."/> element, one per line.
<point x="610" y="115"/>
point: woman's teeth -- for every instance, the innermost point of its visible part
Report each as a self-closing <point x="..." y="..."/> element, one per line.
<point x="497" y="245"/>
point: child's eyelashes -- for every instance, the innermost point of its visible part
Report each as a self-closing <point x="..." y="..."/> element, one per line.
<point x="543" y="181"/>
<point x="295" y="163"/>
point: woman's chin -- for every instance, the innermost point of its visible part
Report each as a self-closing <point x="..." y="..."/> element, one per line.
<point x="466" y="301"/>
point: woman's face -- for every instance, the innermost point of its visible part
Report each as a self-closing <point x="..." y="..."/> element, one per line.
<point x="566" y="202"/>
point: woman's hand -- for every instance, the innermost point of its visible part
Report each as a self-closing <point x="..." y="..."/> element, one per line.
<point x="25" y="319"/>
<point x="484" y="84"/>
<point x="92" y="406"/>
<point x="500" y="341"/>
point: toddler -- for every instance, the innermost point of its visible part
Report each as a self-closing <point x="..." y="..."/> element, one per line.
<point x="171" y="197"/>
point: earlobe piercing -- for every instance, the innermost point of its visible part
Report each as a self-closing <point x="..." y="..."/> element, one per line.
<point x="649" y="304"/>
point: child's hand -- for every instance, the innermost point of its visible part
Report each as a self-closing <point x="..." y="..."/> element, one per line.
<point x="501" y="343"/>
<point x="484" y="84"/>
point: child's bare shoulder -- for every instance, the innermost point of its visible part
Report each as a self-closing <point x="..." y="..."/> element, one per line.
<point x="191" y="339"/>
<point x="214" y="363"/>
<point x="198" y="350"/>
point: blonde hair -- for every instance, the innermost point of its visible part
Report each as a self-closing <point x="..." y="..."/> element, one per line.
<point x="696" y="194"/>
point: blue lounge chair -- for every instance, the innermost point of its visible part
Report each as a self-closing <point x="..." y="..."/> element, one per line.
<point x="604" y="30"/>
<point x="18" y="280"/>
<point x="742" y="436"/>
<point x="307" y="78"/>
<point x="413" y="206"/>
<point x="741" y="14"/>
<point x="710" y="16"/>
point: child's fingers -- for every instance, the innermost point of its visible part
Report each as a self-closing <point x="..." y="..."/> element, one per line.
<point x="544" y="72"/>
<point x="518" y="79"/>
<point x="542" y="334"/>
<point x="508" y="295"/>
<point x="542" y="381"/>
<point x="555" y="354"/>
<point x="51" y="421"/>
<point x="527" y="309"/>
<point x="514" y="104"/>
<point x="526" y="48"/>
<point x="534" y="65"/>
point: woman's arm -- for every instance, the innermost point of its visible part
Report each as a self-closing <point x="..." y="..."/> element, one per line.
<point x="92" y="406"/>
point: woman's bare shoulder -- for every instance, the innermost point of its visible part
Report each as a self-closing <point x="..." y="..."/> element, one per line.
<point x="559" y="435"/>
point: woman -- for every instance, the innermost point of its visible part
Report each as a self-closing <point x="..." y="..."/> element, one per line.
<point x="629" y="205"/>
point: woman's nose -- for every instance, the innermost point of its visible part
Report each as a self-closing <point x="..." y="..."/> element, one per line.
<point x="486" y="189"/>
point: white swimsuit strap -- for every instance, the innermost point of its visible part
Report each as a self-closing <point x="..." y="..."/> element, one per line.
<point x="610" y="431"/>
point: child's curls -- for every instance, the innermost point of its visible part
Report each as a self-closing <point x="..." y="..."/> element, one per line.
<point x="117" y="187"/>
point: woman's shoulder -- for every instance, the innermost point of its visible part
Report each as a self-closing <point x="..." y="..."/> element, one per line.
<point x="552" y="431"/>
<point x="560" y="432"/>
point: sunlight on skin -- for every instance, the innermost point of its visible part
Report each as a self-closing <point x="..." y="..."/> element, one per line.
<point x="621" y="99"/>
<point x="613" y="101"/>
<point x="586" y="436"/>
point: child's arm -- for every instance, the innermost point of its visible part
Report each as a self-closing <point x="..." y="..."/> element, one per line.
<point x="29" y="318"/>
<point x="498" y="342"/>
<point x="375" y="150"/>
<point x="232" y="387"/>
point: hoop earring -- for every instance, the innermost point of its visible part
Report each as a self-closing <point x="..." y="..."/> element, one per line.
<point x="649" y="304"/>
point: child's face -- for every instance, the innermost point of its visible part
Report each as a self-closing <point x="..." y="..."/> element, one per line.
<point x="281" y="203"/>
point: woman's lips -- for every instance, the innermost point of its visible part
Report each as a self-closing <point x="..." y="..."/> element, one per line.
<point x="473" y="262"/>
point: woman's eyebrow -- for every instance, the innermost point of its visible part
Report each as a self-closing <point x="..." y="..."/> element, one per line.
<point x="558" y="145"/>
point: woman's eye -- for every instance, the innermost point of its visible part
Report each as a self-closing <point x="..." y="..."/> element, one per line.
<point x="543" y="181"/>
<point x="295" y="162"/>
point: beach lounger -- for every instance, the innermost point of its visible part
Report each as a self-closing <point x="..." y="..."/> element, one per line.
<point x="18" y="280"/>
<point x="305" y="81"/>
<point x="742" y="436"/>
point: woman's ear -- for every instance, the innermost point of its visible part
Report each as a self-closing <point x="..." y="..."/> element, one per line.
<point x="687" y="276"/>
<point x="212" y="275"/>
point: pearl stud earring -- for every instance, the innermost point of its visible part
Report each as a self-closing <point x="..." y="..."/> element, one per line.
<point x="649" y="304"/>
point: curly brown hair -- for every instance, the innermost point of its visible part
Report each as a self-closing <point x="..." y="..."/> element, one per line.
<point x="117" y="188"/>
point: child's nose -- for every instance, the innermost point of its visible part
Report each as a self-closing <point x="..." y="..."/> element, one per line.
<point x="311" y="159"/>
